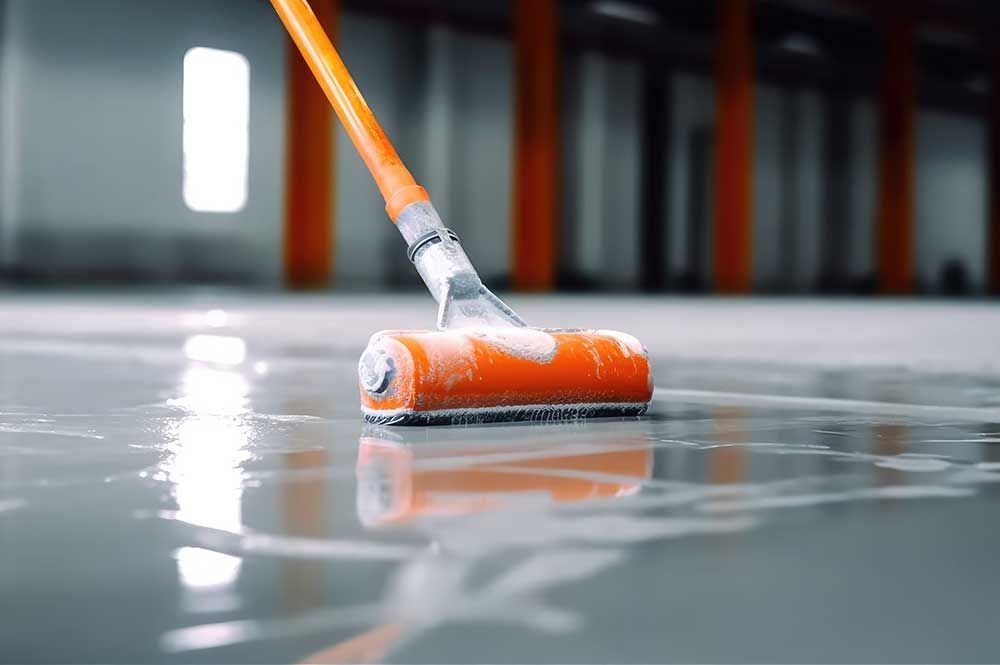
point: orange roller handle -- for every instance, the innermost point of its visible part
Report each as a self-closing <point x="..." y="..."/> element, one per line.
<point x="394" y="180"/>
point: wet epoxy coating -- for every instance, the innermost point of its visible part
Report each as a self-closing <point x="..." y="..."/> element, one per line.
<point x="186" y="479"/>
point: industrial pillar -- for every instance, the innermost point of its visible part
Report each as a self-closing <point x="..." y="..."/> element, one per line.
<point x="897" y="104"/>
<point x="734" y="68"/>
<point x="536" y="153"/>
<point x="308" y="251"/>
<point x="993" y="180"/>
<point x="655" y="121"/>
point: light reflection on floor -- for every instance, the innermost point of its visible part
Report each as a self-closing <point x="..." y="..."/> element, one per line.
<point x="188" y="482"/>
<point x="205" y="454"/>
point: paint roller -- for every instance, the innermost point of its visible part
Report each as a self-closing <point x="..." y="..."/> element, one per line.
<point x="483" y="363"/>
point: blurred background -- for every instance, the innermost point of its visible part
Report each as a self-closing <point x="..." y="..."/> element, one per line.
<point x="735" y="146"/>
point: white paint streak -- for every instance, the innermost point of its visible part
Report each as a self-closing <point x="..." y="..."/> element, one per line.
<point x="528" y="343"/>
<point x="803" y="500"/>
<point x="531" y="528"/>
<point x="628" y="343"/>
<point x="213" y="635"/>
<point x="291" y="547"/>
<point x="713" y="398"/>
<point x="249" y="542"/>
<point x="33" y="429"/>
<point x="979" y="440"/>
<point x="913" y="464"/>
<point x="10" y="505"/>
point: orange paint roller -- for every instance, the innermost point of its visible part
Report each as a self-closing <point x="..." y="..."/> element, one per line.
<point x="483" y="363"/>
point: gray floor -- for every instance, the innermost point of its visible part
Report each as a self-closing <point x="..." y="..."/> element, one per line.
<point x="185" y="478"/>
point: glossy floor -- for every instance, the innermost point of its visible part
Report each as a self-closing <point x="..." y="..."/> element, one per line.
<point x="185" y="478"/>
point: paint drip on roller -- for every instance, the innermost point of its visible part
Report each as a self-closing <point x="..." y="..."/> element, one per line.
<point x="528" y="343"/>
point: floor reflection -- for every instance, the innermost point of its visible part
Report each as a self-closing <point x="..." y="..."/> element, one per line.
<point x="206" y="448"/>
<point x="502" y="515"/>
<point x="889" y="440"/>
<point x="398" y="481"/>
<point x="728" y="462"/>
<point x="304" y="510"/>
<point x="371" y="646"/>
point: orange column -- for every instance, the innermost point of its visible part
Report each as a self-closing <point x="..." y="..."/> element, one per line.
<point x="993" y="180"/>
<point x="308" y="255"/>
<point x="896" y="148"/>
<point x="733" y="249"/>
<point x="536" y="165"/>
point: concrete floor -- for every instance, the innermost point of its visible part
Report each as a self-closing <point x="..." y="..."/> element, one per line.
<point x="185" y="478"/>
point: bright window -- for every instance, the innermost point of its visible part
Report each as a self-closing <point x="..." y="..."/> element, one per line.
<point x="216" y="129"/>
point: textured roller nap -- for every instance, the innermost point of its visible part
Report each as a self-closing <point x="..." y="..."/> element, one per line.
<point x="480" y="375"/>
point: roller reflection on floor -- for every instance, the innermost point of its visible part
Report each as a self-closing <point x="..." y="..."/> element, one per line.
<point x="398" y="481"/>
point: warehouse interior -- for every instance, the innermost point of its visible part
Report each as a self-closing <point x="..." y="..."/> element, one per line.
<point x="793" y="205"/>
<point x="93" y="152"/>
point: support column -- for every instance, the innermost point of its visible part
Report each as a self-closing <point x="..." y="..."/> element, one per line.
<point x="835" y="235"/>
<point x="536" y="154"/>
<point x="993" y="179"/>
<point x="655" y="146"/>
<point x="733" y="240"/>
<point x="308" y="252"/>
<point x="896" y="152"/>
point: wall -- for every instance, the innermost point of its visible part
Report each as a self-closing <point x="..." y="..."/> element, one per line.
<point x="600" y="194"/>
<point x="787" y="194"/>
<point x="692" y="124"/>
<point x="862" y="174"/>
<point x="480" y="150"/>
<point x="444" y="98"/>
<point x="951" y="195"/>
<point x="366" y="245"/>
<point x="93" y="104"/>
<point x="9" y="50"/>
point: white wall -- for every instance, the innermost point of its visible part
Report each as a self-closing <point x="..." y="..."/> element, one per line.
<point x="694" y="99"/>
<point x="773" y="181"/>
<point x="10" y="70"/>
<point x="620" y="176"/>
<point x="951" y="196"/>
<point x="600" y="199"/>
<point x="94" y="105"/>
<point x="810" y="183"/>
<point x="366" y="245"/>
<point x="863" y="170"/>
<point x="767" y="186"/>
<point x="481" y="155"/>
<point x="445" y="100"/>
<point x="90" y="152"/>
